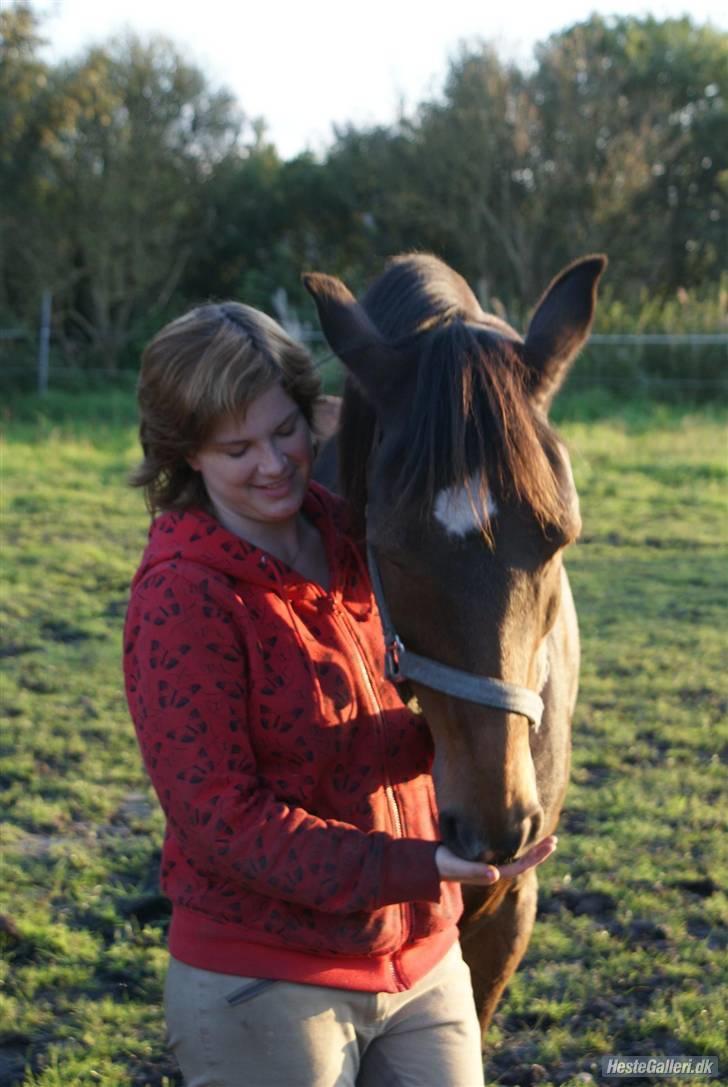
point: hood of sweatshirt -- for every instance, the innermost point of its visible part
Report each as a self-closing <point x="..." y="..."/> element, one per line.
<point x="195" y="536"/>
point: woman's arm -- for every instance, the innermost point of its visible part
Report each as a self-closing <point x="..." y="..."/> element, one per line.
<point x="186" y="673"/>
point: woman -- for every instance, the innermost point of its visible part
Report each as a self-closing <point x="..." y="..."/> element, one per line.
<point x="313" y="938"/>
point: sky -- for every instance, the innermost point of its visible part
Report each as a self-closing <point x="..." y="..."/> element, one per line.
<point x="306" y="65"/>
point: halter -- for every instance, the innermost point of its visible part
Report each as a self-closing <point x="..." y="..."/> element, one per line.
<point x="401" y="664"/>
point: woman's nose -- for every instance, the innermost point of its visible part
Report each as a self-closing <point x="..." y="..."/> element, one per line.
<point x="272" y="461"/>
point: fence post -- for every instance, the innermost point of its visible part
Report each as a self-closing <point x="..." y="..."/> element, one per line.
<point x="43" y="342"/>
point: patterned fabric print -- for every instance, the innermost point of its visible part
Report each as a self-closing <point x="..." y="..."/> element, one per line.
<point x="250" y="692"/>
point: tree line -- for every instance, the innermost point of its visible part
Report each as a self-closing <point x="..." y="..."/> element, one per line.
<point x="131" y="187"/>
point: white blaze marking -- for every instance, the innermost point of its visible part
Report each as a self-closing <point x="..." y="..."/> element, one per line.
<point x="456" y="508"/>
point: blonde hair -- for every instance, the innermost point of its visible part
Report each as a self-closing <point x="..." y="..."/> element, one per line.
<point x="207" y="365"/>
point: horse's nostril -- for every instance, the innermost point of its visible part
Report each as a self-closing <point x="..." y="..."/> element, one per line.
<point x="536" y="821"/>
<point x="529" y="831"/>
<point x="459" y="838"/>
<point x="522" y="833"/>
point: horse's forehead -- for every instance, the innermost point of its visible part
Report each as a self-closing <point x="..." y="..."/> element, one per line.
<point x="463" y="509"/>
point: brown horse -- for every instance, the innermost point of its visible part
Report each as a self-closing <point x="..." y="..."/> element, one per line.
<point x="467" y="500"/>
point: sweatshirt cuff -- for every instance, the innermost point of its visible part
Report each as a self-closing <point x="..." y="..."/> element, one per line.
<point x="409" y="872"/>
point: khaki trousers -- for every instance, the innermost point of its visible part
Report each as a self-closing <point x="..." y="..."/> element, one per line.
<point x="228" y="1031"/>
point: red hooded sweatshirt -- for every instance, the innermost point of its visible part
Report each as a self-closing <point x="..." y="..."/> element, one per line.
<point x="301" y="820"/>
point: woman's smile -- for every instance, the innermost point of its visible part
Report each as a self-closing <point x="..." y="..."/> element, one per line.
<point x="277" y="488"/>
<point x="256" y="468"/>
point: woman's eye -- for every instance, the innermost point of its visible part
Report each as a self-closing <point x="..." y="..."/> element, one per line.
<point x="286" y="431"/>
<point x="238" y="453"/>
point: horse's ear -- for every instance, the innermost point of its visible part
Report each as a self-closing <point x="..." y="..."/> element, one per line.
<point x="560" y="326"/>
<point x="375" y="364"/>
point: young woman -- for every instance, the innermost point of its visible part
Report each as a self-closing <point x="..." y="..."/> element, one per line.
<point x="314" y="931"/>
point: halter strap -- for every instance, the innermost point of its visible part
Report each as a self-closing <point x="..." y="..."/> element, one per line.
<point x="401" y="664"/>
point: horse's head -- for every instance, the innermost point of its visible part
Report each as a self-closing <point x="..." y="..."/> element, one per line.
<point x="469" y="502"/>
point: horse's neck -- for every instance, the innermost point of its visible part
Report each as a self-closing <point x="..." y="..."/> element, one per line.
<point x="551" y="746"/>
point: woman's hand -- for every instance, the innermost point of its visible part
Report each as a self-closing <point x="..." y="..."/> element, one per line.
<point x="454" y="869"/>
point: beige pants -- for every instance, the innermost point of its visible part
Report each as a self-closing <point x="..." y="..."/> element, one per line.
<point x="228" y="1031"/>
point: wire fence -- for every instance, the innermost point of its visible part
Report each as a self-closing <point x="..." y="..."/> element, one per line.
<point x="677" y="339"/>
<point x="646" y="363"/>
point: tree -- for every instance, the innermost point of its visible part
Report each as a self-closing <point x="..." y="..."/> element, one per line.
<point x="474" y="148"/>
<point x="633" y="151"/>
<point x="132" y="188"/>
<point x="616" y="140"/>
<point x="27" y="115"/>
<point x="128" y="186"/>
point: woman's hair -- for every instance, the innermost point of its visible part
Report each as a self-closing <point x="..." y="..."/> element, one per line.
<point x="206" y="366"/>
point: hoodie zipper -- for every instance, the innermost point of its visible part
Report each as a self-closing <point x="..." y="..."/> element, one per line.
<point x="405" y="908"/>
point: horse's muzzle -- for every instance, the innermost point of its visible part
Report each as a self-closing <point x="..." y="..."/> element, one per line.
<point x="498" y="847"/>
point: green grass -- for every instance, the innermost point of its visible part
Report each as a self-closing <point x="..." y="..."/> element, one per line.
<point x="629" y="953"/>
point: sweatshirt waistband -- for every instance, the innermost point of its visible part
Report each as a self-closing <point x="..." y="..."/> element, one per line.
<point x="197" y="940"/>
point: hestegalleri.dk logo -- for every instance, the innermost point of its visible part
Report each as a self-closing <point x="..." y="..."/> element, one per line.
<point x="659" y="1066"/>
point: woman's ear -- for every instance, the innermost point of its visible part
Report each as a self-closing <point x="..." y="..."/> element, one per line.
<point x="194" y="462"/>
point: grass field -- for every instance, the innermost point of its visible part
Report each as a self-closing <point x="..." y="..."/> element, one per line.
<point x="629" y="955"/>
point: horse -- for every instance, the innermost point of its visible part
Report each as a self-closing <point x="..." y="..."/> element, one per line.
<point x="466" y="498"/>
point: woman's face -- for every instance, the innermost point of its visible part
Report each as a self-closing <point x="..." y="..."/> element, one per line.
<point x="256" y="470"/>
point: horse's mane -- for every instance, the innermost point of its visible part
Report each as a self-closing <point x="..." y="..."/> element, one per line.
<point x="470" y="422"/>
